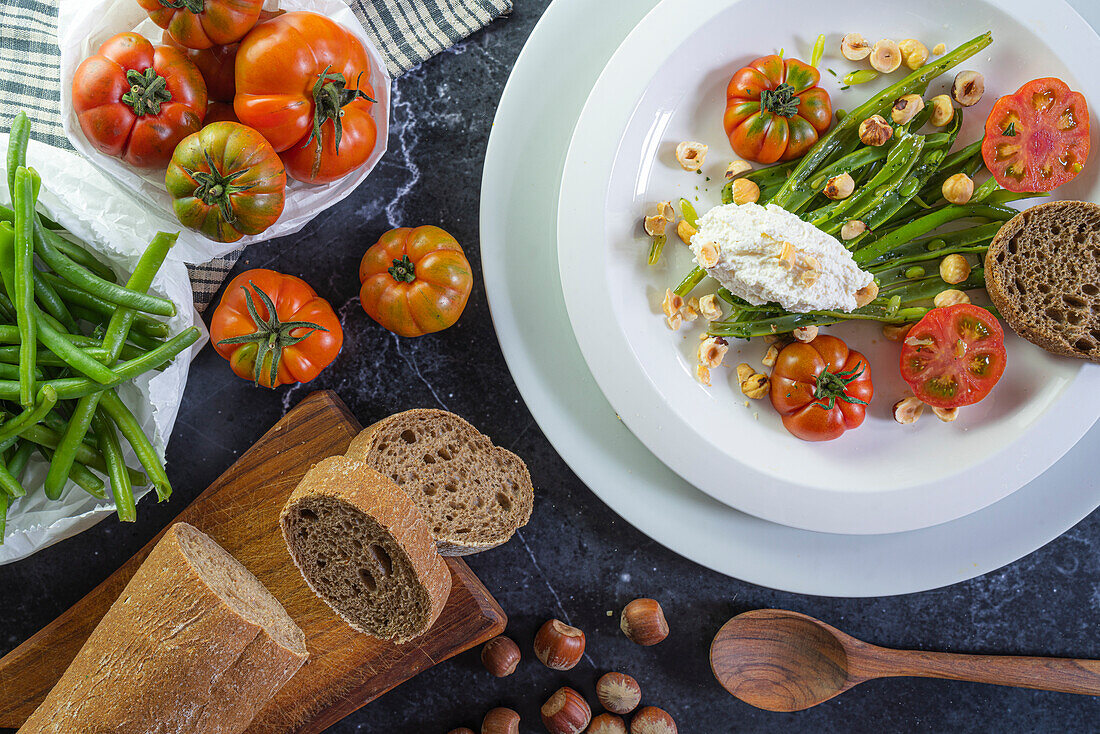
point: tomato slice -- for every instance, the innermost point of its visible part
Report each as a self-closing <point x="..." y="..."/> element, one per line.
<point x="1038" y="138"/>
<point x="954" y="356"/>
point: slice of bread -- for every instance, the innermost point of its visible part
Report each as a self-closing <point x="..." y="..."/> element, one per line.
<point x="473" y="494"/>
<point x="363" y="547"/>
<point x="1042" y="272"/>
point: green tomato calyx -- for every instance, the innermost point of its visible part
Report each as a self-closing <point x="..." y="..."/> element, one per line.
<point x="403" y="270"/>
<point x="833" y="385"/>
<point x="148" y="91"/>
<point x="216" y="188"/>
<point x="779" y="101"/>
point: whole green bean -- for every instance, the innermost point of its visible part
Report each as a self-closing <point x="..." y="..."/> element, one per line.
<point x="128" y="425"/>
<point x="81" y="476"/>
<point x="121" y="489"/>
<point x="928" y="223"/>
<point x="143" y="323"/>
<point x="23" y="283"/>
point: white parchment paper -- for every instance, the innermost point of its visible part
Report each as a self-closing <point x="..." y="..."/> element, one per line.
<point x="83" y="25"/>
<point x="88" y="204"/>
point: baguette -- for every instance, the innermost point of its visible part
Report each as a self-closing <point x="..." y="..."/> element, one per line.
<point x="474" y="495"/>
<point x="363" y="547"/>
<point x="194" y="644"/>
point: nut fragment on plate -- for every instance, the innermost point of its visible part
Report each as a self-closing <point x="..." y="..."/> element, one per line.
<point x="712" y="351"/>
<point x="658" y="217"/>
<point x="943" y="111"/>
<point x="906" y="108"/>
<point x="954" y="269"/>
<point x="691" y="154"/>
<point x="709" y="308"/>
<point x="652" y="720"/>
<point x="702" y="374"/>
<point x="908" y="410"/>
<point x="896" y="332"/>
<point x="875" y="131"/>
<point x="939" y="49"/>
<point x="885" y="56"/>
<point x="618" y="692"/>
<point x="685" y="231"/>
<point x="839" y="187"/>
<point x="805" y="333"/>
<point x="673" y="305"/>
<point x="947" y="415"/>
<point x="852" y="228"/>
<point x="854" y="47"/>
<point x="756" y="386"/>
<point x="737" y="168"/>
<point x="950" y="297"/>
<point x="968" y="88"/>
<point x="866" y="294"/>
<point x="913" y="53"/>
<point x="643" y="622"/>
<point x="744" y="372"/>
<point x="744" y="191"/>
<point x="770" y="356"/>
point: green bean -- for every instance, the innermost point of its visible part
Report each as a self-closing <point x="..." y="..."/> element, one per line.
<point x="4" y="502"/>
<point x="121" y="489"/>
<point x="54" y="339"/>
<point x="80" y="256"/>
<point x="769" y="175"/>
<point x="85" y="454"/>
<point x="128" y="425"/>
<point x="51" y="301"/>
<point x="82" y="277"/>
<point x="687" y="211"/>
<point x="860" y="76"/>
<point x="71" y="440"/>
<point x="656" y="246"/>
<point x="18" y="462"/>
<point x="82" y="477"/>
<point x="984" y="191"/>
<point x="10" y="485"/>
<point x="854" y="161"/>
<point x="818" y="50"/>
<point x="926" y="224"/>
<point x="47" y="398"/>
<point x="19" y="135"/>
<point x="692" y="279"/>
<point x="143" y="323"/>
<point x="22" y="294"/>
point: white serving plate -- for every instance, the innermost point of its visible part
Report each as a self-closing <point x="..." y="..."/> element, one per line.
<point x="518" y="246"/>
<point x="666" y="83"/>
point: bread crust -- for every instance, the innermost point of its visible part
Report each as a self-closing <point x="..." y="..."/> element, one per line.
<point x="171" y="656"/>
<point x="366" y="443"/>
<point x="356" y="484"/>
<point x="1064" y="253"/>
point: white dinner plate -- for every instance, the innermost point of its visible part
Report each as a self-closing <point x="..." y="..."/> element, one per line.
<point x="536" y="114"/>
<point x="666" y="83"/>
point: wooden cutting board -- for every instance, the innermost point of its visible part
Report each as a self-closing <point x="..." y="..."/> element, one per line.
<point x="240" y="510"/>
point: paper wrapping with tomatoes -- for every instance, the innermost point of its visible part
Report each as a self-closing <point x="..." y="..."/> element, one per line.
<point x="83" y="27"/>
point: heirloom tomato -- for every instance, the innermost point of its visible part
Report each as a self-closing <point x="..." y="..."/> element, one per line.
<point x="304" y="82"/>
<point x="821" y="388"/>
<point x="204" y="23"/>
<point x="137" y="102"/>
<point x="217" y="64"/>
<point x="274" y="329"/>
<point x="415" y="281"/>
<point x="775" y="110"/>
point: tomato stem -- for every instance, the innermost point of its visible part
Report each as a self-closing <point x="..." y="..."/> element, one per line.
<point x="272" y="336"/>
<point x="217" y="188"/>
<point x="148" y="90"/>
<point x="780" y="101"/>
<point x="833" y="385"/>
<point x="330" y="96"/>
<point x="403" y="270"/>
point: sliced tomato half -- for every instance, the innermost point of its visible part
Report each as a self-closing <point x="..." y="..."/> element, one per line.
<point x="954" y="355"/>
<point x="1038" y="138"/>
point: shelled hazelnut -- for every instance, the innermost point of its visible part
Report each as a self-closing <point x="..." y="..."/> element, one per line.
<point x="875" y="131"/>
<point x="943" y="111"/>
<point x="500" y="721"/>
<point x="607" y="724"/>
<point x="854" y="47"/>
<point x="914" y="54"/>
<point x="968" y="88"/>
<point x="559" y="646"/>
<point x="885" y="56"/>
<point x="652" y="720"/>
<point x="619" y="693"/>
<point x="500" y="656"/>
<point x="643" y="621"/>
<point x="566" y="712"/>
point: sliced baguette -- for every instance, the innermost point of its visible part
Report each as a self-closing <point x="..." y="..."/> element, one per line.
<point x="195" y="643"/>
<point x="1042" y="272"/>
<point x="363" y="547"/>
<point x="473" y="494"/>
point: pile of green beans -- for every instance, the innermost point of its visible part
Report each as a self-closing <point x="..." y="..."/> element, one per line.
<point x="75" y="334"/>
<point x="897" y="196"/>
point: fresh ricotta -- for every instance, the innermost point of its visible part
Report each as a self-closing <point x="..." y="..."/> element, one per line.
<point x="766" y="254"/>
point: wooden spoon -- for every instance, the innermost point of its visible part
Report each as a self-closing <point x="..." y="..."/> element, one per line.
<point x="786" y="661"/>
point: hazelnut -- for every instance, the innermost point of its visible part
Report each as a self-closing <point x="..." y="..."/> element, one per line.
<point x="958" y="189"/>
<point x="939" y="49"/>
<point x="607" y="724"/>
<point x="559" y="646"/>
<point x="672" y="302"/>
<point x="708" y="306"/>
<point x="896" y="332"/>
<point x="950" y="297"/>
<point x="744" y="371"/>
<point x="943" y="111"/>
<point x="885" y="56"/>
<point x="805" y="333"/>
<point x="947" y="415"/>
<point x="655" y="225"/>
<point x="691" y="155"/>
<point x="770" y="356"/>
<point x="618" y="693"/>
<point x="906" y="108"/>
<point x="500" y="656"/>
<point x="500" y="721"/>
<point x="652" y="720"/>
<point x="712" y="351"/>
<point x="658" y="216"/>
<point x="737" y="168"/>
<point x="708" y="255"/>
<point x="968" y="88"/>
<point x="643" y="621"/>
<point x="745" y="192"/>
<point x="756" y="387"/>
<point x="852" y="228"/>
<point x="875" y="131"/>
<point x="908" y="410"/>
<point x="954" y="269"/>
<point x="913" y="53"/>
<point x="675" y="320"/>
<point x="866" y="294"/>
<point x="566" y="712"/>
<point x="854" y="47"/>
<point x="840" y="187"/>
<point x="685" y="231"/>
<point x="702" y="374"/>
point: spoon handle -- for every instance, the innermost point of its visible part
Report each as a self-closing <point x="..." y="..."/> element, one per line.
<point x="1046" y="674"/>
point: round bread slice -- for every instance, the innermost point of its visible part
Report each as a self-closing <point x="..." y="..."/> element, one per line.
<point x="474" y="495"/>
<point x="363" y="547"/>
<point x="1042" y="272"/>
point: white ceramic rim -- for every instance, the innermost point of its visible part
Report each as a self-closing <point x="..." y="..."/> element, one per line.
<point x="644" y="407"/>
<point x="537" y="110"/>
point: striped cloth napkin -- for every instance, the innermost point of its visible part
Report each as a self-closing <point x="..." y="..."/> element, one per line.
<point x="406" y="32"/>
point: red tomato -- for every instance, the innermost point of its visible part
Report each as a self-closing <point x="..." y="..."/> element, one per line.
<point x="216" y="64"/>
<point x="296" y="337"/>
<point x="220" y="112"/>
<point x="820" y="388"/>
<point x="204" y="23"/>
<point x="1038" y="138"/>
<point x="954" y="355"/>
<point x="775" y="110"/>
<point x="137" y="102"/>
<point x="303" y="81"/>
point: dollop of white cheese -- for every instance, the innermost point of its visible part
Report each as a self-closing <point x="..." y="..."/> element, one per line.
<point x="765" y="254"/>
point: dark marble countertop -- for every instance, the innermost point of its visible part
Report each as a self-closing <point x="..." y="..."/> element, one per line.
<point x="576" y="560"/>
